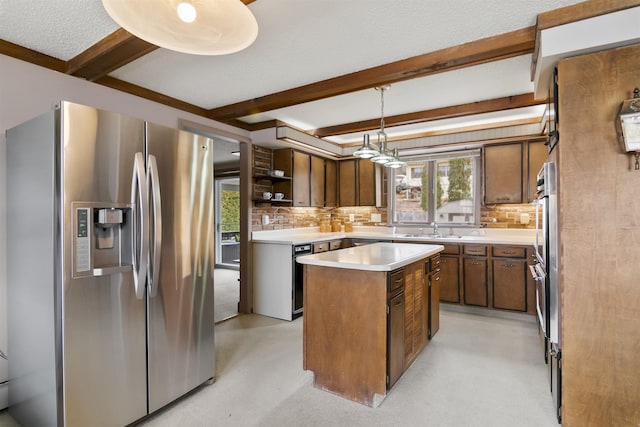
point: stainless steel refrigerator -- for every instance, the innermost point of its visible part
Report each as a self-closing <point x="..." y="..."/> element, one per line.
<point x="110" y="267"/>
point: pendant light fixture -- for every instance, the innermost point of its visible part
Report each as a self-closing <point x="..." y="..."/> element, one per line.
<point x="198" y="27"/>
<point x="381" y="154"/>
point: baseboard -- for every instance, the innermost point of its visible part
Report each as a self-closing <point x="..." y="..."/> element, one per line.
<point x="523" y="317"/>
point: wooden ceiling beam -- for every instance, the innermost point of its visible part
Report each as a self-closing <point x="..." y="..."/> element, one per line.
<point x="112" y="52"/>
<point x="507" y="45"/>
<point x="150" y="95"/>
<point x="34" y="57"/>
<point x="479" y="107"/>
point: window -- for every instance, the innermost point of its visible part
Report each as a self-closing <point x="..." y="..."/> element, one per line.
<point x="441" y="188"/>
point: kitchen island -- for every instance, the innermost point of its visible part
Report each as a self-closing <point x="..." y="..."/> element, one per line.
<point x="368" y="312"/>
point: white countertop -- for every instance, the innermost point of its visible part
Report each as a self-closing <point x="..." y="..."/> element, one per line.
<point x="374" y="257"/>
<point x="296" y="236"/>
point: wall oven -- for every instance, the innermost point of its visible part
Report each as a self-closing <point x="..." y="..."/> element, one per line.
<point x="545" y="273"/>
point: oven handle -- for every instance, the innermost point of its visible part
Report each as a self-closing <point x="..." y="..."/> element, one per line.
<point x="534" y="273"/>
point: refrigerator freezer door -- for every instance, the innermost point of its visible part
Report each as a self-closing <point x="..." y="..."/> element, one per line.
<point x="180" y="315"/>
<point x="104" y="368"/>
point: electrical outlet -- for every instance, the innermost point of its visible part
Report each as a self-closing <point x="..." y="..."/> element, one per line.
<point x="265" y="219"/>
<point x="376" y="217"/>
<point x="352" y="217"/>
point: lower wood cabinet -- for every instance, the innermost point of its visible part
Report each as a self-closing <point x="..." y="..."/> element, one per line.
<point x="450" y="278"/>
<point x="484" y="275"/>
<point x="475" y="281"/>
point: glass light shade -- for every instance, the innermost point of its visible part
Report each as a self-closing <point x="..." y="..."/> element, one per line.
<point x="628" y="123"/>
<point x="396" y="162"/>
<point x="384" y="155"/>
<point x="382" y="158"/>
<point x="220" y="26"/>
<point x="366" y="151"/>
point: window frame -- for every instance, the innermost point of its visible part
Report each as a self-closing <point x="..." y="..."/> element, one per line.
<point x="431" y="161"/>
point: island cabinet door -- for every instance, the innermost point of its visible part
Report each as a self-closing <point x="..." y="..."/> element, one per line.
<point x="395" y="349"/>
<point x="416" y="319"/>
<point x="434" y="304"/>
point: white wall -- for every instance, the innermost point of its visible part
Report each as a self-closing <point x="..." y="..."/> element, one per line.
<point x="26" y="91"/>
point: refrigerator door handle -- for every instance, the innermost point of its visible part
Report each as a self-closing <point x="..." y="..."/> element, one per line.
<point x="156" y="205"/>
<point x="139" y="187"/>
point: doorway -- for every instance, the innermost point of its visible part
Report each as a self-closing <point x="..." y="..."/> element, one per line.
<point x="227" y="240"/>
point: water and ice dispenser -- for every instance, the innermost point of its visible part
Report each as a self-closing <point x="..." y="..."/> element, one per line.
<point x="102" y="240"/>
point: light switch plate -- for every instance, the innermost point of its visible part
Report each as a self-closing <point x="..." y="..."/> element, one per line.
<point x="376" y="217"/>
<point x="265" y="219"/>
<point x="352" y="217"/>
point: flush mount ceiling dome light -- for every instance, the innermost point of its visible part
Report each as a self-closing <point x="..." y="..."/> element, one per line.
<point x="199" y="27"/>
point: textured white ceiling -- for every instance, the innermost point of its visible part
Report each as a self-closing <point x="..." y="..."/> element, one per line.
<point x="59" y="28"/>
<point x="304" y="41"/>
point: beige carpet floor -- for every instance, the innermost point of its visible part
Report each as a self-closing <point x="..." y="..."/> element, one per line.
<point x="477" y="371"/>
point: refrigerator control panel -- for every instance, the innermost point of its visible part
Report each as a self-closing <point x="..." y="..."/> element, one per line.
<point x="82" y="240"/>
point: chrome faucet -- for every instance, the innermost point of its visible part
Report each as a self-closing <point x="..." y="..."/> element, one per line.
<point x="435" y="227"/>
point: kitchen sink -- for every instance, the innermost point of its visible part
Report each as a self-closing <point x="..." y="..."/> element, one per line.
<point x="435" y="236"/>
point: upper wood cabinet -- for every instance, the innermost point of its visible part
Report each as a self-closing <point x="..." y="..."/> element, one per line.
<point x="503" y="173"/>
<point x="330" y="183"/>
<point x="307" y="187"/>
<point x="347" y="183"/>
<point x="360" y="183"/>
<point x="366" y="183"/>
<point x="317" y="184"/>
<point x="510" y="171"/>
<point x="301" y="178"/>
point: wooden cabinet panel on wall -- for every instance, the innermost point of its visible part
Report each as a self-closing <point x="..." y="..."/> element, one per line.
<point x="330" y="183"/>
<point x="301" y="179"/>
<point x="307" y="172"/>
<point x="503" y="173"/>
<point x="347" y="182"/>
<point x="317" y="185"/>
<point x="366" y="183"/>
<point x="360" y="183"/>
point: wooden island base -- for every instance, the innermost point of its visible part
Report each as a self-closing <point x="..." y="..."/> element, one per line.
<point x="345" y="336"/>
<point x="360" y="326"/>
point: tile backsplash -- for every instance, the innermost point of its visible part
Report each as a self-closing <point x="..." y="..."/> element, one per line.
<point x="494" y="216"/>
<point x="287" y="217"/>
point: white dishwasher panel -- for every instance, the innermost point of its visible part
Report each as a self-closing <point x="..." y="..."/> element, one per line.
<point x="272" y="280"/>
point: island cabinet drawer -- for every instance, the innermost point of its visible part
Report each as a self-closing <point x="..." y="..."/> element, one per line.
<point x="480" y="250"/>
<point x="451" y="250"/>
<point x="395" y="281"/>
<point x="434" y="264"/>
<point x="508" y="252"/>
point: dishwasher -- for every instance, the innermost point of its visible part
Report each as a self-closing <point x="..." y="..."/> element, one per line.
<point x="298" y="278"/>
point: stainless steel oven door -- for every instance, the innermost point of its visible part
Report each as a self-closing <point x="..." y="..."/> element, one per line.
<point x="542" y="297"/>
<point x="542" y="230"/>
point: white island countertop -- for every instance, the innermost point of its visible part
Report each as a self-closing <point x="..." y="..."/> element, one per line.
<point x="374" y="257"/>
